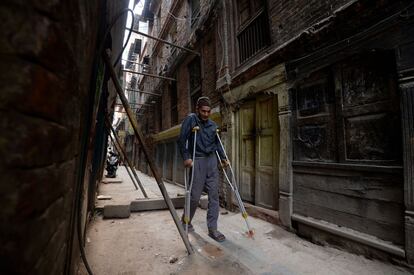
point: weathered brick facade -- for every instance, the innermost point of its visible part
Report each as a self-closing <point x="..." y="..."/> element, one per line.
<point x="48" y="52"/>
<point x="253" y="51"/>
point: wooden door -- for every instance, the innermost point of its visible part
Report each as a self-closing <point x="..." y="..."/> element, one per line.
<point x="247" y="151"/>
<point x="267" y="149"/>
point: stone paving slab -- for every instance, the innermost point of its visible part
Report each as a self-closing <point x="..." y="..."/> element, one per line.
<point x="125" y="192"/>
<point x="155" y="204"/>
<point x="116" y="211"/>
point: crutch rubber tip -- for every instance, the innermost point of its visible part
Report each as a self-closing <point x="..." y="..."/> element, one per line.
<point x="250" y="234"/>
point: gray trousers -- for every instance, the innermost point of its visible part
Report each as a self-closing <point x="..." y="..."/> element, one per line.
<point x="206" y="179"/>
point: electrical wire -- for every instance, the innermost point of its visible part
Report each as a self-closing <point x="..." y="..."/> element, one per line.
<point x="108" y="29"/>
<point x="129" y="36"/>
<point x="400" y="14"/>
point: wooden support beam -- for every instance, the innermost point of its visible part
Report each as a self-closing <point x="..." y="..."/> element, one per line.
<point x="150" y="160"/>
<point x="149" y="75"/>
<point x="110" y="128"/>
<point x="144" y="92"/>
<point x="164" y="41"/>
<point x="155" y="204"/>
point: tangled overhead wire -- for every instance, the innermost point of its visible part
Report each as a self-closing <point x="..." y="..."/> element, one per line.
<point x="108" y="29"/>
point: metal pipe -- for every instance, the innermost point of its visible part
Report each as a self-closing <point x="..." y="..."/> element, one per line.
<point x="250" y="232"/>
<point x="129" y="173"/>
<point x="149" y="75"/>
<point x="126" y="166"/>
<point x="127" y="159"/>
<point x="132" y="103"/>
<point x="164" y="41"/>
<point x="137" y="114"/>
<point x="144" y="92"/>
<point x="189" y="186"/>
<point x="141" y="64"/>
<point x="149" y="158"/>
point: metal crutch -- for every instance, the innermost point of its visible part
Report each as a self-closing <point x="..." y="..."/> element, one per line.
<point x="234" y="188"/>
<point x="189" y="186"/>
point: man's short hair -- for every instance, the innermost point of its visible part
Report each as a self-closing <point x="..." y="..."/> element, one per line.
<point x="203" y="101"/>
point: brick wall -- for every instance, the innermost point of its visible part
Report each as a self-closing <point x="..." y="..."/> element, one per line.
<point x="47" y="59"/>
<point x="182" y="92"/>
<point x="47" y="51"/>
<point x="160" y="55"/>
<point x="208" y="53"/>
<point x="289" y="18"/>
<point x="166" y="108"/>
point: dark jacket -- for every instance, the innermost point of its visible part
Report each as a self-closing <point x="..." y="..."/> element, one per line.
<point x="207" y="141"/>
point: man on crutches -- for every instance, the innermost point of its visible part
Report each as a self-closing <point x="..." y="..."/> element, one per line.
<point x="200" y="132"/>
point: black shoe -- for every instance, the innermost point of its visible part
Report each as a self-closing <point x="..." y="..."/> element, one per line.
<point x="216" y="235"/>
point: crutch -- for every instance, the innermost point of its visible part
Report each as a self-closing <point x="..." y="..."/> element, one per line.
<point x="234" y="188"/>
<point x="189" y="186"/>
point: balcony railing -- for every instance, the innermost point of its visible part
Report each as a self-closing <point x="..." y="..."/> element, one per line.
<point x="253" y="38"/>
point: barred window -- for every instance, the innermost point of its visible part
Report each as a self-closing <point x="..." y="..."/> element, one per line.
<point x="253" y="33"/>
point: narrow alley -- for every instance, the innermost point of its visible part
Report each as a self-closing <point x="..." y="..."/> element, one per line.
<point x="148" y="243"/>
<point x="206" y="137"/>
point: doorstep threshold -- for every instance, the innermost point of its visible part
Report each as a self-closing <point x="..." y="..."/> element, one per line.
<point x="351" y="234"/>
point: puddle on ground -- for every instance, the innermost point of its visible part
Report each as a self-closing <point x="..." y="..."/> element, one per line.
<point x="201" y="265"/>
<point x="212" y="251"/>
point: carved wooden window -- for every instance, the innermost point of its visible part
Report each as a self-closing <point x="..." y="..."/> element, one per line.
<point x="350" y="113"/>
<point x="314" y="111"/>
<point x="369" y="109"/>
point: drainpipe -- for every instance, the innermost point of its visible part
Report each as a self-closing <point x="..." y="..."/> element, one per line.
<point x="229" y="116"/>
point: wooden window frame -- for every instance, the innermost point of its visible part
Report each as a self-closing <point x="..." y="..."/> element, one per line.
<point x="338" y="114"/>
<point x="241" y="27"/>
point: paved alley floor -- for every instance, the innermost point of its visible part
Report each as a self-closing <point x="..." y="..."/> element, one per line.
<point x="149" y="243"/>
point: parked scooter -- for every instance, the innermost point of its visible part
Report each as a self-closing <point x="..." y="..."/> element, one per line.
<point x="111" y="165"/>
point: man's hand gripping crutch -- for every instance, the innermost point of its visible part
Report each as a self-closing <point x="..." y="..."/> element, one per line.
<point x="189" y="185"/>
<point x="233" y="186"/>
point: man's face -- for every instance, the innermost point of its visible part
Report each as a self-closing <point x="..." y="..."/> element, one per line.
<point x="203" y="112"/>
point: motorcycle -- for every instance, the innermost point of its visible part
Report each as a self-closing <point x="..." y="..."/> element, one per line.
<point x="112" y="165"/>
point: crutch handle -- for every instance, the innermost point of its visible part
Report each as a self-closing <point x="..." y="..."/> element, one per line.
<point x="195" y="129"/>
<point x="217" y="130"/>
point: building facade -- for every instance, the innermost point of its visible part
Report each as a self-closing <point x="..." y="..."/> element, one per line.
<point x="314" y="100"/>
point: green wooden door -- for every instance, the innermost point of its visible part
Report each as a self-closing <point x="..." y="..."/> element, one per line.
<point x="247" y="151"/>
<point x="267" y="152"/>
<point x="259" y="152"/>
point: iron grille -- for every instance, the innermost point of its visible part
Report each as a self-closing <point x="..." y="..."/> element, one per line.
<point x="253" y="38"/>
